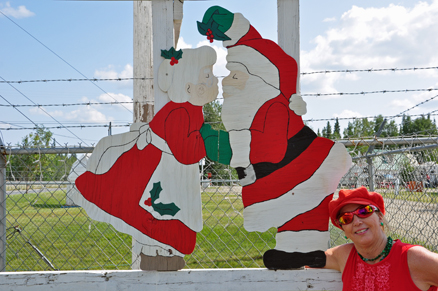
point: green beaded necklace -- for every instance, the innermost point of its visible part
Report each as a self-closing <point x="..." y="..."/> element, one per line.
<point x="383" y="254"/>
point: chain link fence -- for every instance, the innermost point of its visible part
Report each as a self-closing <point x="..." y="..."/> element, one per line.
<point x="44" y="230"/>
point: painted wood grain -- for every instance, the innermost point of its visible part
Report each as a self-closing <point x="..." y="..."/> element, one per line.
<point x="212" y="280"/>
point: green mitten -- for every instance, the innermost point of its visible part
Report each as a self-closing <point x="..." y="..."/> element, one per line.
<point x="225" y="152"/>
<point x="210" y="137"/>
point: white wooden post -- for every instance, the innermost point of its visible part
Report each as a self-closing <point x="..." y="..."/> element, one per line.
<point x="153" y="31"/>
<point x="289" y="30"/>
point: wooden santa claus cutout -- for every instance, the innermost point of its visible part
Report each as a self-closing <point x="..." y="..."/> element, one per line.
<point x="288" y="174"/>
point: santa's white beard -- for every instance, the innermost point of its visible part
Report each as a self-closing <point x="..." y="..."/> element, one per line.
<point x="239" y="109"/>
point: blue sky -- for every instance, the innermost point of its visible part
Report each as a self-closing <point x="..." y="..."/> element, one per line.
<point x="95" y="37"/>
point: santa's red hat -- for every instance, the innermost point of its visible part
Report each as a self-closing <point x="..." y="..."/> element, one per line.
<point x="266" y="59"/>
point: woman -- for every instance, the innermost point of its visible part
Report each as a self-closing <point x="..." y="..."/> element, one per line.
<point x="374" y="261"/>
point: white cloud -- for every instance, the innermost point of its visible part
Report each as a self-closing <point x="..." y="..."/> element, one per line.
<point x="110" y="73"/>
<point x="331" y="19"/>
<point x="112" y="97"/>
<point x="20" y="12"/>
<point x="389" y="37"/>
<point x="88" y="114"/>
<point x="182" y="44"/>
<point x="218" y="68"/>
<point x="348" y="114"/>
<point x="4" y="125"/>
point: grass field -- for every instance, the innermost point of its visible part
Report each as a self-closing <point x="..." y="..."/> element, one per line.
<point x="72" y="241"/>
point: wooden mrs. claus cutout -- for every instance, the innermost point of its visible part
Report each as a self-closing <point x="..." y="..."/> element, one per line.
<point x="146" y="182"/>
<point x="288" y="174"/>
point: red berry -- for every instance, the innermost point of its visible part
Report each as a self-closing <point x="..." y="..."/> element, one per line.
<point x="148" y="202"/>
<point x="176" y="61"/>
<point x="211" y="40"/>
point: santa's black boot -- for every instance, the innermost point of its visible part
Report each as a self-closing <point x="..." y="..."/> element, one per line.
<point x="275" y="259"/>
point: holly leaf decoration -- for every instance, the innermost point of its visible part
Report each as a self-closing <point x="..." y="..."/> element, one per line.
<point x="162" y="209"/>
<point x="218" y="20"/>
<point x="172" y="53"/>
<point x="214" y="27"/>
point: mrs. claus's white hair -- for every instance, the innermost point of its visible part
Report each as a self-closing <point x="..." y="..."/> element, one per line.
<point x="173" y="79"/>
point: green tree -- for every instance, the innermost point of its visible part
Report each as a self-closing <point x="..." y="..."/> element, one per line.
<point x="40" y="166"/>
<point x="337" y="130"/>
<point x="327" y="131"/>
<point x="422" y="125"/>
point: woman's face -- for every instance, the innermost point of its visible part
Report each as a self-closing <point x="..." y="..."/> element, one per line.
<point x="206" y="90"/>
<point x="362" y="230"/>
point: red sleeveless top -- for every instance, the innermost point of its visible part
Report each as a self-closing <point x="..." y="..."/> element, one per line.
<point x="392" y="273"/>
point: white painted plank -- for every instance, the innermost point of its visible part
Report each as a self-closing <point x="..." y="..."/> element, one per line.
<point x="289" y="30"/>
<point x="209" y="279"/>
<point x="162" y="25"/>
<point x="143" y="62"/>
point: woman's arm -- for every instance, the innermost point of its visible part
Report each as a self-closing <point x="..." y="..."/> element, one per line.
<point x="423" y="266"/>
<point x="337" y="257"/>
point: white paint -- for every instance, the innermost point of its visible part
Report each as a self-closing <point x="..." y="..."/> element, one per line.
<point x="78" y="168"/>
<point x="177" y="18"/>
<point x="180" y="185"/>
<point x="239" y="28"/>
<point x="289" y="30"/>
<point x="184" y="280"/>
<point x="240" y="143"/>
<point x="162" y="26"/>
<point x="297" y="104"/>
<point x="256" y="63"/>
<point x="143" y="61"/>
<point x="302" y="241"/>
<point x="304" y="197"/>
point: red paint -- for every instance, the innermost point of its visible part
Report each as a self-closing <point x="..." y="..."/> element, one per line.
<point x="286" y="178"/>
<point x="315" y="219"/>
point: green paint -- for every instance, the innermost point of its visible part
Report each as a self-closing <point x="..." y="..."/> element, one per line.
<point x="217" y="144"/>
<point x="218" y="20"/>
<point x="162" y="209"/>
<point x="168" y="54"/>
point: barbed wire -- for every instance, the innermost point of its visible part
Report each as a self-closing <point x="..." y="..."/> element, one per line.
<point x="70" y="104"/>
<point x="58" y="56"/>
<point x="67" y="126"/>
<point x="74" y="80"/>
<point x="143" y="78"/>
<point x="368" y="117"/>
<point x="370" y="92"/>
<point x="310" y="94"/>
<point x="421" y="103"/>
<point x="368" y="70"/>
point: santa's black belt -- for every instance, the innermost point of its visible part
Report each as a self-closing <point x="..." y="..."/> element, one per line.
<point x="295" y="146"/>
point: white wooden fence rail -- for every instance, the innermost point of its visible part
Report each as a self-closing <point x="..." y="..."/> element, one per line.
<point x="207" y="279"/>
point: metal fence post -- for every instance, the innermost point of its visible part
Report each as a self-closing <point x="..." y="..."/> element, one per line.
<point x="2" y="207"/>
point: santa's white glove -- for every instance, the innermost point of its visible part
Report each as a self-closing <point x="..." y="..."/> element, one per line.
<point x="297" y="104"/>
<point x="250" y="176"/>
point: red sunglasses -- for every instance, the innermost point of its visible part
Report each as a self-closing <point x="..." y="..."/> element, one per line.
<point x="362" y="212"/>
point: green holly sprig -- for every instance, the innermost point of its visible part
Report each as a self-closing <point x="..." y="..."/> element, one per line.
<point x="216" y="22"/>
<point x="172" y="55"/>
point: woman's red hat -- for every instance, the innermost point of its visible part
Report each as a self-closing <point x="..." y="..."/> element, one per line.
<point x="355" y="196"/>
